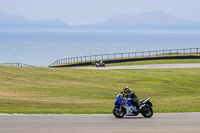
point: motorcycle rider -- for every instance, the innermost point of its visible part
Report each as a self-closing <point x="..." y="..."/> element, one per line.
<point x="101" y="62"/>
<point x="131" y="96"/>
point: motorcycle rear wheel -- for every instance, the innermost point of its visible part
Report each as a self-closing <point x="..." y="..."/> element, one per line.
<point x="147" y="112"/>
<point x="117" y="113"/>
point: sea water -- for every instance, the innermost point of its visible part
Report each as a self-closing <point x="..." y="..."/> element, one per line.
<point x="43" y="48"/>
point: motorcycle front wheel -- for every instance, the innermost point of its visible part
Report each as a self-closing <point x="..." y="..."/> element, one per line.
<point x="117" y="113"/>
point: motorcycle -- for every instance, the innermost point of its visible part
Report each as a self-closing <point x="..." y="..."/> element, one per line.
<point x="100" y="64"/>
<point x="125" y="107"/>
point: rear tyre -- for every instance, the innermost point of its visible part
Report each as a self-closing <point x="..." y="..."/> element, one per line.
<point x="147" y="112"/>
<point x="117" y="113"/>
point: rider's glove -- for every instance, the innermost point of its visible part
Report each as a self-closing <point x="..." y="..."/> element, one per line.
<point x="129" y="99"/>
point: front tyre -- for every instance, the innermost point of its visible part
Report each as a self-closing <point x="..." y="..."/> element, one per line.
<point x="117" y="113"/>
<point x="147" y="112"/>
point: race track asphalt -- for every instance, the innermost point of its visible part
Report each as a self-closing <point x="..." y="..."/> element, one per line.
<point x="100" y="123"/>
<point x="185" y="65"/>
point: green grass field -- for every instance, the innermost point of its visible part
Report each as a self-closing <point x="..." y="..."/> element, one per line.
<point x="148" y="62"/>
<point x="67" y="90"/>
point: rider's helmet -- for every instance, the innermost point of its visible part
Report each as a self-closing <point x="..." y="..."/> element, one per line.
<point x="126" y="89"/>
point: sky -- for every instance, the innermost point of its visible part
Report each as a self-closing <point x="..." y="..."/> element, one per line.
<point x="81" y="12"/>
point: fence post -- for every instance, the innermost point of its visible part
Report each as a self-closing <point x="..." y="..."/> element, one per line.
<point x="197" y="50"/>
<point x="190" y="51"/>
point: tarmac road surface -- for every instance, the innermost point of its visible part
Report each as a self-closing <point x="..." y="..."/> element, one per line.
<point x="184" y="65"/>
<point x="100" y="123"/>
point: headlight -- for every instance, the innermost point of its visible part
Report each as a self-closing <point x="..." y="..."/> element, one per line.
<point x="115" y="101"/>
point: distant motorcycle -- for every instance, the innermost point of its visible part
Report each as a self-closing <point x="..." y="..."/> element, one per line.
<point x="100" y="64"/>
<point x="125" y="107"/>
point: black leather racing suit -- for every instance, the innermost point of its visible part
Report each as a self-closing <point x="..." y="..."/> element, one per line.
<point x="134" y="98"/>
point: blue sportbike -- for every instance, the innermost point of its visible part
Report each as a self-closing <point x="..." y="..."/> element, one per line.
<point x="125" y="107"/>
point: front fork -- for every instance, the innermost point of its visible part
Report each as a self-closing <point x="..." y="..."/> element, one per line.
<point x="120" y="108"/>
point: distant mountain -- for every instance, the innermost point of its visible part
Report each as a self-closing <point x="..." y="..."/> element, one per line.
<point x="149" y="20"/>
<point x="17" y="22"/>
<point x="154" y="20"/>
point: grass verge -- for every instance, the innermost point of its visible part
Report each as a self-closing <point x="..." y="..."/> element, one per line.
<point x="67" y="90"/>
<point x="149" y="62"/>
